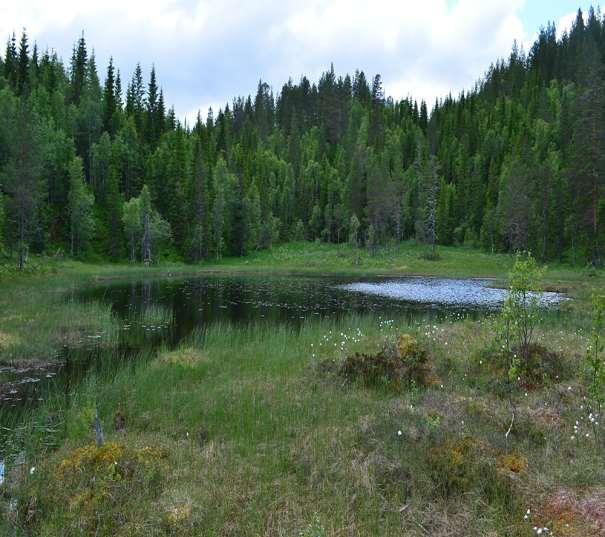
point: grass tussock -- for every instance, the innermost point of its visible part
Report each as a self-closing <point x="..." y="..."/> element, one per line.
<point x="399" y="364"/>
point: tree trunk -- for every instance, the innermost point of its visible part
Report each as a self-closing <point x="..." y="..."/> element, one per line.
<point x="146" y="254"/>
<point x="21" y="243"/>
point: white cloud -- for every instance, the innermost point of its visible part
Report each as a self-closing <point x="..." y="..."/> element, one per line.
<point x="208" y="52"/>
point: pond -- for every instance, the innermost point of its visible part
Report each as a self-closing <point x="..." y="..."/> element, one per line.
<point x="164" y="312"/>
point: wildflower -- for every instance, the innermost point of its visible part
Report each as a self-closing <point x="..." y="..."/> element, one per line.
<point x="527" y="514"/>
<point x="32" y="470"/>
<point x="399" y="433"/>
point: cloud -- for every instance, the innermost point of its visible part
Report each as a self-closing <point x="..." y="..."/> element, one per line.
<point x="207" y="52"/>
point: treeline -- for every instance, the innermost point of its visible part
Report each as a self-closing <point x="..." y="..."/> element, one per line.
<point x="101" y="171"/>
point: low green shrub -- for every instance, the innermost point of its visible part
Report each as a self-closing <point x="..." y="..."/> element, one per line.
<point x="397" y="364"/>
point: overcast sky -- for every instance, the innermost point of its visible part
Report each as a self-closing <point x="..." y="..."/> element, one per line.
<point x="207" y="52"/>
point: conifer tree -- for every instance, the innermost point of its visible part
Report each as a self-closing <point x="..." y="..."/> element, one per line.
<point x="589" y="153"/>
<point x="254" y="218"/>
<point x="21" y="178"/>
<point x="23" y="66"/>
<point x="109" y="101"/>
<point x="199" y="232"/>
<point x="112" y="214"/>
<point x="2" y="223"/>
<point x="520" y="157"/>
<point x="78" y="71"/>
<point x="218" y="216"/>
<point x="11" y="62"/>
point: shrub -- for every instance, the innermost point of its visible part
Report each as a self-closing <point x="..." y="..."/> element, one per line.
<point x="521" y="312"/>
<point x="403" y="361"/>
<point x="97" y="490"/>
<point x="469" y="465"/>
<point x="512" y="462"/>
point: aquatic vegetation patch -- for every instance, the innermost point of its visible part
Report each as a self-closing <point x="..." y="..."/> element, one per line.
<point x="187" y="357"/>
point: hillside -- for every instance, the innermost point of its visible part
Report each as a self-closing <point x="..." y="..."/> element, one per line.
<point x="514" y="164"/>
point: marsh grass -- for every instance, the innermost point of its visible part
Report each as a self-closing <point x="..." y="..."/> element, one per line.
<point x="260" y="439"/>
<point x="37" y="321"/>
<point x="154" y="316"/>
<point x="258" y="436"/>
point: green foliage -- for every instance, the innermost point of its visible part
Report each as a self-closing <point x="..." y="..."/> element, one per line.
<point x="298" y="233"/>
<point x="276" y="422"/>
<point x="398" y="365"/>
<point x="81" y="202"/>
<point x="314" y="529"/>
<point x="144" y="227"/>
<point x="595" y="363"/>
<point x="101" y="486"/>
<point x="515" y="164"/>
<point x="521" y="311"/>
<point x="131" y="217"/>
<point x="371" y="240"/>
<point x="2" y="223"/>
<point x="354" y="231"/>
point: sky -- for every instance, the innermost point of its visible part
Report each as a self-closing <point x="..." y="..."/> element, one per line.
<point x="207" y="52"/>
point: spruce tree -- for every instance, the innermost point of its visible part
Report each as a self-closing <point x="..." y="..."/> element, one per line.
<point x="199" y="232"/>
<point x="11" y="62"/>
<point x="109" y="100"/>
<point x="588" y="171"/>
<point x="23" y="85"/>
<point x="218" y="217"/>
<point x="78" y="71"/>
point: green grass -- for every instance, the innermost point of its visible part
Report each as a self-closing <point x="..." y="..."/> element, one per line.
<point x="39" y="316"/>
<point x="252" y="431"/>
<point x="248" y="432"/>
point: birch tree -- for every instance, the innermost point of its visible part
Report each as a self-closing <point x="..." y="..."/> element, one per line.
<point x="81" y="202"/>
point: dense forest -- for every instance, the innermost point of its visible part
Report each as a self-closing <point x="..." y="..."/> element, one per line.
<point x="106" y="170"/>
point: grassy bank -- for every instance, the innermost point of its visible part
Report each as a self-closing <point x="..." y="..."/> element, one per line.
<point x="256" y="432"/>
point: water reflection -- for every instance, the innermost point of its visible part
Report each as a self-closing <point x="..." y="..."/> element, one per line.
<point x="163" y="312"/>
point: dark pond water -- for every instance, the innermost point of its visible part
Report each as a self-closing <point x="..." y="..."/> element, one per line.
<point x="196" y="303"/>
<point x="163" y="312"/>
